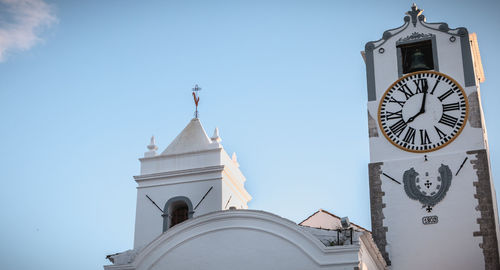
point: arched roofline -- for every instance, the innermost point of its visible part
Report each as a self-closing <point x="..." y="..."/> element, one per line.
<point x="241" y="219"/>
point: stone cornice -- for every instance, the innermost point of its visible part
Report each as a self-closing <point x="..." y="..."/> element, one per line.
<point x="170" y="174"/>
<point x="180" y="154"/>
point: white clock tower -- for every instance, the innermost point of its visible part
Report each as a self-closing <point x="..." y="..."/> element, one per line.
<point x="433" y="203"/>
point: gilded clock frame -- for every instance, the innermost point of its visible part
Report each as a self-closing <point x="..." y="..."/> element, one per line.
<point x="438" y="147"/>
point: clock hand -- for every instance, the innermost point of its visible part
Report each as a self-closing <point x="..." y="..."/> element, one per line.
<point x="413" y="117"/>
<point x="425" y="87"/>
<point x="424" y="90"/>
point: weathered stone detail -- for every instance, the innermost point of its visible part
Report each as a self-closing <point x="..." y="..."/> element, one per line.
<point x="415" y="36"/>
<point x="372" y="126"/>
<point x="487" y="224"/>
<point x="376" y="206"/>
<point x="474" y="110"/>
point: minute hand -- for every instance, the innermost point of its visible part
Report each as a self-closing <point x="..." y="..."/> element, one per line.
<point x="424" y="88"/>
<point x="422" y="107"/>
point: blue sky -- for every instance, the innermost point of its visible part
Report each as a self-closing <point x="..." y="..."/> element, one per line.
<point x="84" y="84"/>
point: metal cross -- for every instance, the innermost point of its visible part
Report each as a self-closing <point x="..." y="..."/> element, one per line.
<point x="196" y="89"/>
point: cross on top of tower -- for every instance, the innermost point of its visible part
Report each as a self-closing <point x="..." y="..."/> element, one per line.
<point x="196" y="89"/>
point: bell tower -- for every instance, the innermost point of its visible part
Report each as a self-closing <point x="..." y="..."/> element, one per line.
<point x="193" y="176"/>
<point x="433" y="203"/>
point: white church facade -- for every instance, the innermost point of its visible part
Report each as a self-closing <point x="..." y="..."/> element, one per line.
<point x="431" y="191"/>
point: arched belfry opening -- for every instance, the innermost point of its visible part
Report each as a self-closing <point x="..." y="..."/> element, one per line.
<point x="177" y="210"/>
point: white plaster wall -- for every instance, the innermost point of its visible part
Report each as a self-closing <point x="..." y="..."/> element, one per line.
<point x="367" y="259"/>
<point x="149" y="222"/>
<point x="233" y="187"/>
<point x="231" y="197"/>
<point x="450" y="243"/>
<point x="237" y="249"/>
<point x="242" y="239"/>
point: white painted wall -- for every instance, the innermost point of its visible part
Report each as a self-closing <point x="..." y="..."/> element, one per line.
<point x="450" y="243"/>
<point x="369" y="255"/>
<point x="245" y="239"/>
<point x="149" y="222"/>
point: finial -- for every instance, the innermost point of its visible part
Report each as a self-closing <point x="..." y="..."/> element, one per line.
<point x="196" y="89"/>
<point x="215" y="137"/>
<point x="152" y="146"/>
<point x="235" y="159"/>
<point x="414" y="13"/>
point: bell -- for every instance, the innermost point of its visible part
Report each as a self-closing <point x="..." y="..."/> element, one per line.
<point x="418" y="62"/>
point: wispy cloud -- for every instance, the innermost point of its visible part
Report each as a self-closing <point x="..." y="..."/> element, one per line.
<point x="20" y="22"/>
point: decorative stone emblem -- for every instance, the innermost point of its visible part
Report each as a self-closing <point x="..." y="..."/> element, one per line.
<point x="427" y="190"/>
<point x="414" y="13"/>
<point x="414" y="36"/>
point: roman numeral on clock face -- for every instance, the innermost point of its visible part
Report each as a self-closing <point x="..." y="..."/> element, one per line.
<point x="445" y="95"/>
<point x="424" y="137"/>
<point x="398" y="127"/>
<point x="440" y="133"/>
<point x="420" y="84"/>
<point x="448" y="120"/>
<point x="451" y="107"/>
<point x="394" y="115"/>
<point x="406" y="90"/>
<point x="410" y="136"/>
<point x="393" y="100"/>
<point x="435" y="85"/>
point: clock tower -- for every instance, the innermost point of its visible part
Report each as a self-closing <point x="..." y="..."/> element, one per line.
<point x="433" y="203"/>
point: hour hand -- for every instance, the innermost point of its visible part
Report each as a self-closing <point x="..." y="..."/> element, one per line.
<point x="413" y="117"/>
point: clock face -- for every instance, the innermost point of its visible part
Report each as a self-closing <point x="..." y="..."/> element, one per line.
<point x="423" y="111"/>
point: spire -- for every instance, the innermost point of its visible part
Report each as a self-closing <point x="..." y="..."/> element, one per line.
<point x="152" y="148"/>
<point x="215" y="137"/>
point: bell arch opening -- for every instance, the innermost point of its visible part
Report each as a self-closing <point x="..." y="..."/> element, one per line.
<point x="417" y="52"/>
<point x="177" y="210"/>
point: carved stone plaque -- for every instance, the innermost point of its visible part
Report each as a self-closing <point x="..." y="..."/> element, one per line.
<point x="430" y="220"/>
